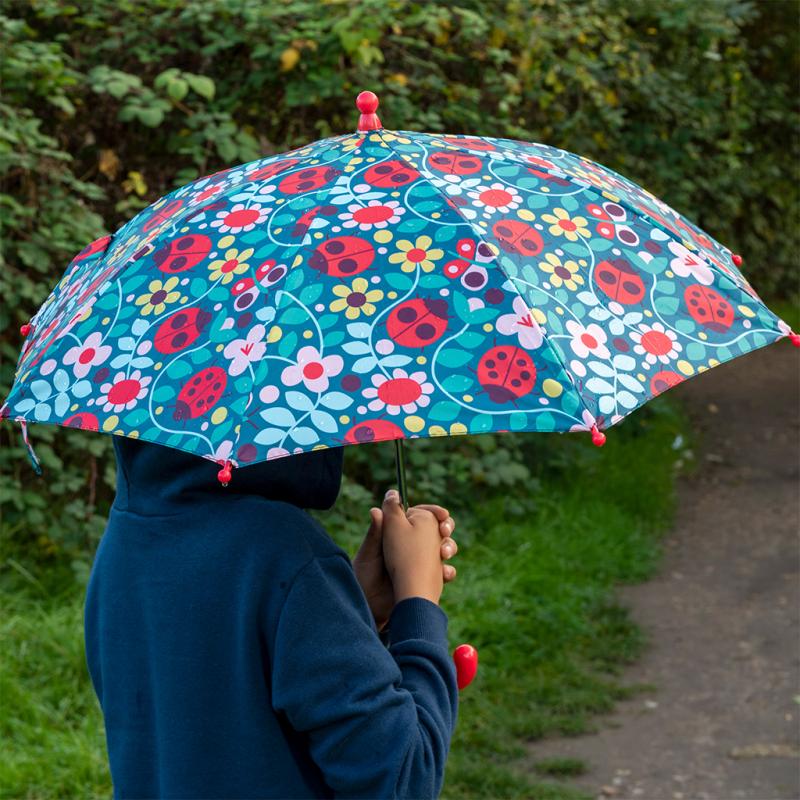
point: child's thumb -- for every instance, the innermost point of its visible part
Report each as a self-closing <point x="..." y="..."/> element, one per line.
<point x="375" y="523"/>
<point x="391" y="504"/>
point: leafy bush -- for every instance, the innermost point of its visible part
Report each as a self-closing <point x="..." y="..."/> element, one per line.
<point x="109" y="104"/>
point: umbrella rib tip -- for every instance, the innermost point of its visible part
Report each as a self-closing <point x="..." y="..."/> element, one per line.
<point x="598" y="437"/>
<point x="225" y="474"/>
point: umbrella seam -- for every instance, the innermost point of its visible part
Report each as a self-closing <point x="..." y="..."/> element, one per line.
<point x="496" y="263"/>
<point x="627" y="206"/>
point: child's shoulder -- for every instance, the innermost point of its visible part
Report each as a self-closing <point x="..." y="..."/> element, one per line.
<point x="285" y="528"/>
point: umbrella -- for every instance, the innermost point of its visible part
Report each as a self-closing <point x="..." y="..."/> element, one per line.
<point x="384" y="285"/>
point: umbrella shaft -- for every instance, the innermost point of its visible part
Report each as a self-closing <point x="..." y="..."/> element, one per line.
<point x="401" y="471"/>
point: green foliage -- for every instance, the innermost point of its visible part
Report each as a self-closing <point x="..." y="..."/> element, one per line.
<point x="108" y="105"/>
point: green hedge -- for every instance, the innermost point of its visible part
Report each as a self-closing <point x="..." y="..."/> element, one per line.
<point x="108" y="104"/>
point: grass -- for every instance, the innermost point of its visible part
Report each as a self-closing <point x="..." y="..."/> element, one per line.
<point x="560" y="767"/>
<point x="534" y="594"/>
<point x="536" y="598"/>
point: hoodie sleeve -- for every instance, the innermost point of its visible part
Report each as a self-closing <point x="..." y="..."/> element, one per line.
<point x="378" y="720"/>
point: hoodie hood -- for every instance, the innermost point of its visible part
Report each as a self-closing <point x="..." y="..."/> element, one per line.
<point x="153" y="479"/>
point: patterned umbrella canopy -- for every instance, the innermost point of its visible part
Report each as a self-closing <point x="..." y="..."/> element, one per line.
<point x="382" y="285"/>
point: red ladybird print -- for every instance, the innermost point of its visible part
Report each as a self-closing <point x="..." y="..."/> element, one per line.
<point x="417" y="323"/>
<point x="162" y="214"/>
<point x="304" y="221"/>
<point x="271" y="170"/>
<point x="506" y="373"/>
<point x="470" y="142"/>
<point x="374" y="430"/>
<point x="556" y="180"/>
<point x="342" y="257"/>
<point x="664" y="380"/>
<point x="182" y="253"/>
<point x="307" y="180"/>
<point x="708" y="307"/>
<point x="454" y="163"/>
<point x="84" y="420"/>
<point x="200" y="393"/>
<point x="389" y="174"/>
<point x="97" y="246"/>
<point x="518" y="237"/>
<point x="620" y="281"/>
<point x="180" y="330"/>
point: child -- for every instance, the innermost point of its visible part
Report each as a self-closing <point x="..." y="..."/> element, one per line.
<point x="236" y="652"/>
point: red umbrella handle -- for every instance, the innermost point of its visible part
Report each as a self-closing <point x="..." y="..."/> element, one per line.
<point x="466" y="660"/>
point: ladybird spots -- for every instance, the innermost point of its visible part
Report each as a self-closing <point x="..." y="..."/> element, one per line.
<point x="454" y="163"/>
<point x="181" y="330"/>
<point x="618" y="280"/>
<point x="307" y="180"/>
<point x="708" y="308"/>
<point x="417" y="323"/>
<point x="390" y="174"/>
<point x="517" y="237"/>
<point x="200" y="393"/>
<point x="183" y="253"/>
<point x="506" y="373"/>
<point x="342" y="257"/>
<point x="271" y="170"/>
<point x="83" y="420"/>
<point x="92" y="249"/>
<point x="664" y="380"/>
<point x="376" y="430"/>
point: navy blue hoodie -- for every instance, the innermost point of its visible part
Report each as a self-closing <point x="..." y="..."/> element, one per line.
<point x="233" y="651"/>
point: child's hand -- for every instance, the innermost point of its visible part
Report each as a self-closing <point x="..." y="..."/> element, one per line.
<point x="371" y="570"/>
<point x="412" y="550"/>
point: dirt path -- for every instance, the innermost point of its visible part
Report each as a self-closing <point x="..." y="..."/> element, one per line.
<point x="723" y="615"/>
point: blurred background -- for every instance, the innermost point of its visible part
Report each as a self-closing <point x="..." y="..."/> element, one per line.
<point x="107" y="105"/>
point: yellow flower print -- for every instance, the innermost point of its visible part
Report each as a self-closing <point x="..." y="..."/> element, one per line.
<point x="158" y="296"/>
<point x="411" y="255"/>
<point x="356" y="299"/>
<point x="561" y="224"/>
<point x="564" y="274"/>
<point x="234" y="263"/>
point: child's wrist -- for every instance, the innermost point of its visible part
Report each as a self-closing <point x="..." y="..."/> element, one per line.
<point x="407" y="592"/>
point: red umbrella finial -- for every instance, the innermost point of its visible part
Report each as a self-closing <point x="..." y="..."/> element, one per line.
<point x="794" y="338"/>
<point x="26" y="329"/>
<point x="737" y="259"/>
<point x="598" y="437"/>
<point x="367" y="104"/>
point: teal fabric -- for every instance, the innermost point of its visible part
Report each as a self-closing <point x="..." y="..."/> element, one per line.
<point x="234" y="654"/>
<point x="381" y="285"/>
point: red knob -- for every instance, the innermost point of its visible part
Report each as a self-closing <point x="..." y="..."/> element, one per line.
<point x="367" y="104"/>
<point x="598" y="437"/>
<point x="737" y="259"/>
<point x="465" y="657"/>
<point x="794" y="338"/>
<point x="224" y="475"/>
<point x="26" y="329"/>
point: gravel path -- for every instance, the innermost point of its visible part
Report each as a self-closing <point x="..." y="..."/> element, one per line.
<point x="723" y="615"/>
